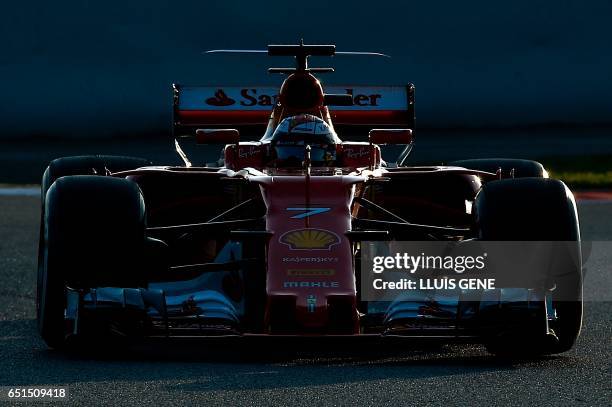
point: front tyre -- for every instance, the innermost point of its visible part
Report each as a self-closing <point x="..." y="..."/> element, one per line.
<point x="94" y="235"/>
<point x="510" y="167"/>
<point x="538" y="209"/>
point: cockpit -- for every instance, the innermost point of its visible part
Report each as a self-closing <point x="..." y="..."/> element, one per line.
<point x="287" y="145"/>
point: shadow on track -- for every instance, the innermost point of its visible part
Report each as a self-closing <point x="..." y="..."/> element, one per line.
<point x="265" y="365"/>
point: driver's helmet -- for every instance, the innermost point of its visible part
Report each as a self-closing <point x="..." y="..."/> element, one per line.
<point x="293" y="134"/>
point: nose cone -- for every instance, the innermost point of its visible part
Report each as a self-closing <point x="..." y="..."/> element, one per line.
<point x="310" y="277"/>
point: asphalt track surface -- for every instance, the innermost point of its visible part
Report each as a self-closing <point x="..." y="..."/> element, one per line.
<point x="294" y="374"/>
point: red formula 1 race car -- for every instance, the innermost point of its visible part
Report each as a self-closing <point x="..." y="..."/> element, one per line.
<point x="268" y="241"/>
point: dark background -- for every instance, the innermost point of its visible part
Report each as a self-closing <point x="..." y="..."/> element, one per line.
<point x="104" y="68"/>
<point x="522" y="78"/>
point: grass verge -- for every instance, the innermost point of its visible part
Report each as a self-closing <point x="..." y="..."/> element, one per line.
<point x="581" y="172"/>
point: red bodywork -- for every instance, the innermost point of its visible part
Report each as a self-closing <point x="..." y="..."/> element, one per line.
<point x="310" y="263"/>
<point x="310" y="273"/>
<point x="266" y="241"/>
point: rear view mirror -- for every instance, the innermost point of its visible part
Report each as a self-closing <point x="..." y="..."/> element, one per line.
<point x="334" y="99"/>
<point x="217" y="136"/>
<point x="391" y="136"/>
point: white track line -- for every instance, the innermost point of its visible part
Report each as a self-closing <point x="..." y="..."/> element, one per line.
<point x="20" y="191"/>
<point x="593" y="201"/>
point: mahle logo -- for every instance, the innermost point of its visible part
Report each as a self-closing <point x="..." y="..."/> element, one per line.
<point x="310" y="239"/>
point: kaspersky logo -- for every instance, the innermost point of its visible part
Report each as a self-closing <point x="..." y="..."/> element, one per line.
<point x="310" y="239"/>
<point x="220" y="99"/>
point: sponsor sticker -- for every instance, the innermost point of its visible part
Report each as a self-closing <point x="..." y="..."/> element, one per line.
<point x="310" y="272"/>
<point x="310" y="239"/>
<point x="264" y="98"/>
<point x="357" y="152"/>
<point x="307" y="212"/>
<point x="309" y="260"/>
<point x="311" y="303"/>
<point x="311" y="284"/>
<point x="220" y="99"/>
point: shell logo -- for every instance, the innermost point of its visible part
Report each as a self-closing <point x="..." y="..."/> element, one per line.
<point x="310" y="239"/>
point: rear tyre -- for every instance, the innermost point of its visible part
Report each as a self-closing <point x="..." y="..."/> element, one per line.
<point x="94" y="235"/>
<point x="522" y="168"/>
<point x="533" y="209"/>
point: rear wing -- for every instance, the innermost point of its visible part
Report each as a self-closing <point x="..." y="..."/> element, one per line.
<point x="249" y="108"/>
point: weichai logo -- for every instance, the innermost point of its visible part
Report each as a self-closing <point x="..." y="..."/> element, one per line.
<point x="310" y="272"/>
<point x="311" y="284"/>
<point x="310" y="239"/>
